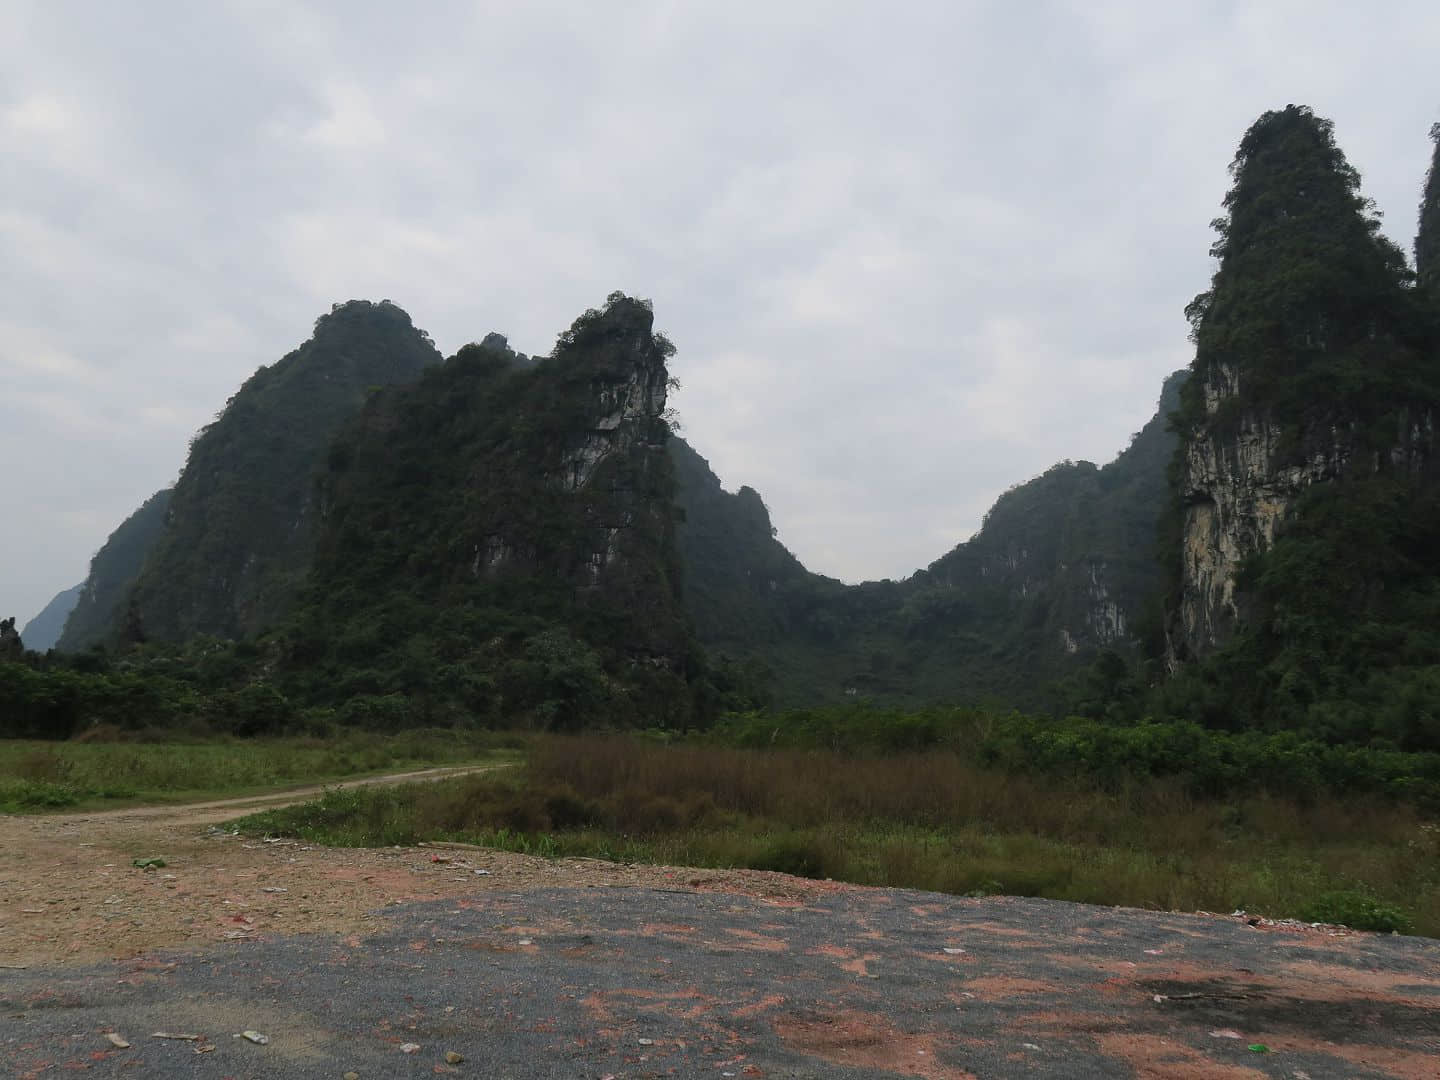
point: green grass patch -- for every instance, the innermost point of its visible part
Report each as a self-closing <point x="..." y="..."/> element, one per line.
<point x="937" y="821"/>
<point x="39" y="776"/>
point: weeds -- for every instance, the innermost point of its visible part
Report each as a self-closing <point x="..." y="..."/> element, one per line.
<point x="935" y="821"/>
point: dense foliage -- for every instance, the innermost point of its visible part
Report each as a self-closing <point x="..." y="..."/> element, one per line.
<point x="241" y="518"/>
<point x="368" y="538"/>
<point x="1313" y="326"/>
<point x="1310" y="309"/>
<point x="497" y="543"/>
<point x="100" y="608"/>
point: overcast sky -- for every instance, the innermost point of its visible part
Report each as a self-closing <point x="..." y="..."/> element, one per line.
<point x="911" y="253"/>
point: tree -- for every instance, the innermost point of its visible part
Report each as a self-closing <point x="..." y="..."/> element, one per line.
<point x="11" y="647"/>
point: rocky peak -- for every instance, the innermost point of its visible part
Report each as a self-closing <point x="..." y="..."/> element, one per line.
<point x="1305" y="344"/>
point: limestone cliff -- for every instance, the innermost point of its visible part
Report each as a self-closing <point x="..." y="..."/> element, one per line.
<point x="513" y="521"/>
<point x="1312" y="367"/>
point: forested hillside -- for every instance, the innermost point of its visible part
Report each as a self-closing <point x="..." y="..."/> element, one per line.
<point x="1308" y="595"/>
<point x="100" y="608"/>
<point x="496" y="542"/>
<point x="240" y="526"/>
<point x="370" y="536"/>
<point x="1063" y="566"/>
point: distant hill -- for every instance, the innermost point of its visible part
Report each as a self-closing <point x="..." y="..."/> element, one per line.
<point x="41" y="632"/>
<point x="1063" y="566"/>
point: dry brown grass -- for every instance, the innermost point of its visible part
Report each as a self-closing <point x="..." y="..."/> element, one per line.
<point x="931" y="821"/>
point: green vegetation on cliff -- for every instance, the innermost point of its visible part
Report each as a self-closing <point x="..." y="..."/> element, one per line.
<point x="1312" y="328"/>
<point x="242" y="515"/>
<point x="1064" y="566"/>
<point x="496" y="543"/>
<point x="1311" y="310"/>
<point x="100" y="608"/>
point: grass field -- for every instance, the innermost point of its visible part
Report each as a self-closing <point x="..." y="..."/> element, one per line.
<point x="40" y="776"/>
<point x="933" y="821"/>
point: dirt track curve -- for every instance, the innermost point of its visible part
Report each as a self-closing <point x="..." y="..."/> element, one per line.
<point x="526" y="968"/>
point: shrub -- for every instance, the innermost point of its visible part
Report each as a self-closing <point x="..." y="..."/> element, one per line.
<point x="1357" y="909"/>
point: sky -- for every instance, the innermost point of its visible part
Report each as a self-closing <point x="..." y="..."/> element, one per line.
<point x="911" y="253"/>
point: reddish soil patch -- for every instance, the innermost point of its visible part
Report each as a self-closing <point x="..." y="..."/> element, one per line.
<point x="864" y="1040"/>
<point x="1154" y="1057"/>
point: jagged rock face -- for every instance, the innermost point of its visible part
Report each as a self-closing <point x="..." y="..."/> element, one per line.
<point x="1235" y="493"/>
<point x="1309" y="367"/>
<point x="527" y="510"/>
<point x="1239" y="482"/>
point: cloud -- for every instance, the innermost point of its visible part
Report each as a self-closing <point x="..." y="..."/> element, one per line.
<point x="911" y="255"/>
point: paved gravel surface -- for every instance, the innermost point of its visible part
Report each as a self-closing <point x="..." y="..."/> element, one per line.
<point x="703" y="980"/>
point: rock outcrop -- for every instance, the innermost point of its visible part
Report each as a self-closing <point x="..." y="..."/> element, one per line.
<point x="1311" y="367"/>
<point x="518" y="518"/>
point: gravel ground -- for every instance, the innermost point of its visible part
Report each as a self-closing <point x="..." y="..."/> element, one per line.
<point x="580" y="969"/>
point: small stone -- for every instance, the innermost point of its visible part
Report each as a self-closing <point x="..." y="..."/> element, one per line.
<point x="453" y="1058"/>
<point x="409" y="1048"/>
<point x="117" y="1041"/>
<point x="352" y="1076"/>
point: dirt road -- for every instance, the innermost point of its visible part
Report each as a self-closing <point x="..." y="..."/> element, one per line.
<point x="527" y="968"/>
<point x="69" y="894"/>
